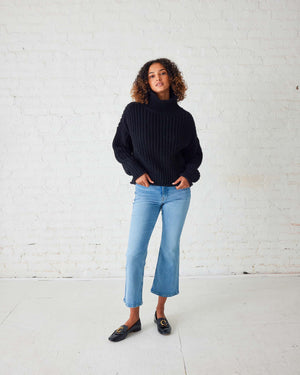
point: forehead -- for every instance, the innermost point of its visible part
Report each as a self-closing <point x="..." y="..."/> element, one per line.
<point x="155" y="68"/>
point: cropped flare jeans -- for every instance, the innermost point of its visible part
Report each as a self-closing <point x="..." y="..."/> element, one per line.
<point x="147" y="204"/>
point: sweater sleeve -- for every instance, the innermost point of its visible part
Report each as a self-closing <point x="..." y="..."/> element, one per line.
<point x="123" y="149"/>
<point x="193" y="157"/>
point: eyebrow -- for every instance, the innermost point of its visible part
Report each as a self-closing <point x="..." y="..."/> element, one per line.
<point x="159" y="70"/>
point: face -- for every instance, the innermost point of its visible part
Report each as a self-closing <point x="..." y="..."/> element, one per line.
<point x="158" y="78"/>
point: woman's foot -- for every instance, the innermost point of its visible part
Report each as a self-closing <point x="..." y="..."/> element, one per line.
<point x="122" y="332"/>
<point x="131" y="321"/>
<point x="160" y="307"/>
<point x="133" y="317"/>
<point x="160" y="313"/>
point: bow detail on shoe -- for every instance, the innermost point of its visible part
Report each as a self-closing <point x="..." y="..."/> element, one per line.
<point x="120" y="329"/>
<point x="163" y="325"/>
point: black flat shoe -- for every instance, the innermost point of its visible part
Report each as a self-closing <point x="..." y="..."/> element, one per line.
<point x="163" y="325"/>
<point x="122" y="332"/>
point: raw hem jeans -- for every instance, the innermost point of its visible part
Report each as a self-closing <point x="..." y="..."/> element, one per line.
<point x="147" y="203"/>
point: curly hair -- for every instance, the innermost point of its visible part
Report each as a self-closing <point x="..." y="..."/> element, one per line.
<point x="141" y="89"/>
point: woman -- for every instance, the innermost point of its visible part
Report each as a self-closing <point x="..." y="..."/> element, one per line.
<point x="157" y="144"/>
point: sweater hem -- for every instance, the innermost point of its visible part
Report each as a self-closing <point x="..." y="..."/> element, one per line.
<point x="156" y="184"/>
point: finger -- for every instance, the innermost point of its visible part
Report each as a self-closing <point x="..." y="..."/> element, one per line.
<point x="181" y="185"/>
<point x="150" y="179"/>
<point x="145" y="182"/>
<point x="176" y="182"/>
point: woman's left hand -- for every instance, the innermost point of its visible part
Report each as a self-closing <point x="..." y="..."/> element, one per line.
<point x="183" y="183"/>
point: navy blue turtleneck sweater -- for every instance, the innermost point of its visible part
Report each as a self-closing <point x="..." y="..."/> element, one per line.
<point x="160" y="139"/>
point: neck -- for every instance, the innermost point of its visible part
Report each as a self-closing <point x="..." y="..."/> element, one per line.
<point x="164" y="95"/>
<point x="158" y="104"/>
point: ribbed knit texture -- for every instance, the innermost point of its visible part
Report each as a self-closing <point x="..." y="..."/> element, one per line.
<point x="160" y="139"/>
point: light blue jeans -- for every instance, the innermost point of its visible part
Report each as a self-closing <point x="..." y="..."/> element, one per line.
<point x="147" y="203"/>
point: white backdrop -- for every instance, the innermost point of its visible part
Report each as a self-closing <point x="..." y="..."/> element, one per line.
<point x="66" y="70"/>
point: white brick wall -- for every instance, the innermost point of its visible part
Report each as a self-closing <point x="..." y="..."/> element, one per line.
<point x="66" y="69"/>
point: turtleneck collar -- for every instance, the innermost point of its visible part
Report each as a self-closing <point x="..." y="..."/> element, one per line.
<point x="162" y="105"/>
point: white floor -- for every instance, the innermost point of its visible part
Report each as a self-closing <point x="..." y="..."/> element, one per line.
<point x="246" y="324"/>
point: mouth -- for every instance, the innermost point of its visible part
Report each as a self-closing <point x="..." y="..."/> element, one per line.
<point x="159" y="84"/>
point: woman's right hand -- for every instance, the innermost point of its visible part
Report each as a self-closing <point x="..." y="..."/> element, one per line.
<point x="144" y="180"/>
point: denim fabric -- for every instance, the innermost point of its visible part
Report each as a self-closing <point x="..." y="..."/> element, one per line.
<point x="147" y="204"/>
